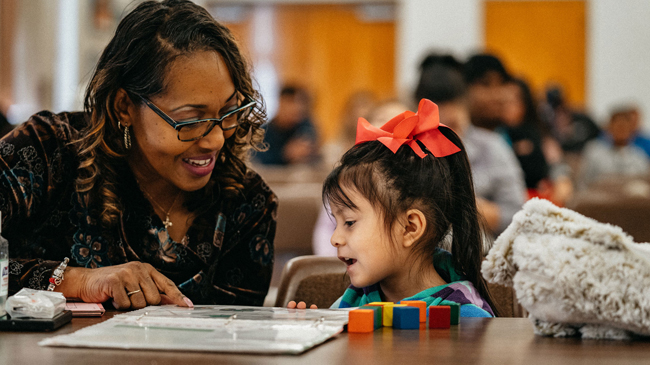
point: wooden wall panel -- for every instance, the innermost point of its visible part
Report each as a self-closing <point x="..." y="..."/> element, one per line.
<point x="8" y="9"/>
<point x="333" y="53"/>
<point x="544" y="41"/>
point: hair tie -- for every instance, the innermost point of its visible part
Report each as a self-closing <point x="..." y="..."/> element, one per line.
<point x="408" y="127"/>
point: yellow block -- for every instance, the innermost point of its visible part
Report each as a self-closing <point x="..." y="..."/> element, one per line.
<point x="388" y="313"/>
<point x="382" y="303"/>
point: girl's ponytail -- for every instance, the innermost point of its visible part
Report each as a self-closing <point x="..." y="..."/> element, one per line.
<point x="465" y="221"/>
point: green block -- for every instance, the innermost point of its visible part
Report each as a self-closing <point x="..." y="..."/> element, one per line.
<point x="455" y="313"/>
<point x="378" y="313"/>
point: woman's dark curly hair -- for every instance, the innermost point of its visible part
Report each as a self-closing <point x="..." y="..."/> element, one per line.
<point x="137" y="59"/>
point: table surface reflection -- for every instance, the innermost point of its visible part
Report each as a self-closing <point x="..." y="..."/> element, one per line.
<point x="474" y="341"/>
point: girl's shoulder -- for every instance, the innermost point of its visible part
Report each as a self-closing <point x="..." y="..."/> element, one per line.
<point x="461" y="292"/>
<point x="356" y="297"/>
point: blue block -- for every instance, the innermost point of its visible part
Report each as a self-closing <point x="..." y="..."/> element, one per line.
<point x="406" y="318"/>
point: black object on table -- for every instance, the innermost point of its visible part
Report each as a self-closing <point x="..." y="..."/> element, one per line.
<point x="35" y="324"/>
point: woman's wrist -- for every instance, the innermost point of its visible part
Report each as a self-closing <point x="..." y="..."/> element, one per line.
<point x="75" y="278"/>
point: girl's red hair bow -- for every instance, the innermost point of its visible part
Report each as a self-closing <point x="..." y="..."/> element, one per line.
<point x="409" y="127"/>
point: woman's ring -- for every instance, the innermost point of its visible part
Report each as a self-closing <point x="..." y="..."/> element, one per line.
<point x="133" y="292"/>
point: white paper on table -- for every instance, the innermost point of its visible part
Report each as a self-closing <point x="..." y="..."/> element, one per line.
<point x="211" y="328"/>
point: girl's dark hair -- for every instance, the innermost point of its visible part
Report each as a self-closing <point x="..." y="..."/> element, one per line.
<point x="441" y="188"/>
<point x="137" y="59"/>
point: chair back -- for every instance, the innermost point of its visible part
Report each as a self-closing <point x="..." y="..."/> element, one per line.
<point x="313" y="280"/>
<point x="298" y="210"/>
<point x="506" y="301"/>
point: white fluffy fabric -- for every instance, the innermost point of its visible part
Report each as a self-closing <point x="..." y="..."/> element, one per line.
<point x="574" y="275"/>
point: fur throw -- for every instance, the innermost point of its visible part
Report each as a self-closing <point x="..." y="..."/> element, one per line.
<point x="574" y="275"/>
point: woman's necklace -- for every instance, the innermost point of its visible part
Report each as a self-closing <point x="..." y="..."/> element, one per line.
<point x="167" y="223"/>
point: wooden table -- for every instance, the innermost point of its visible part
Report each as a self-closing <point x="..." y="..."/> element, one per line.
<point x="474" y="341"/>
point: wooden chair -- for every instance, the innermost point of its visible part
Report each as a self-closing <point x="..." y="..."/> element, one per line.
<point x="313" y="280"/>
<point x="298" y="212"/>
<point x="506" y="301"/>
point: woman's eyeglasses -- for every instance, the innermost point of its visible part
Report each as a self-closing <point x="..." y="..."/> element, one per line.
<point x="195" y="129"/>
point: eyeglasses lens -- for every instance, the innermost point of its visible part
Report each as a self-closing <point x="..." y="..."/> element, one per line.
<point x="197" y="130"/>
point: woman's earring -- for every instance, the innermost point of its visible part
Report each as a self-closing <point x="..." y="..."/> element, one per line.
<point x="127" y="136"/>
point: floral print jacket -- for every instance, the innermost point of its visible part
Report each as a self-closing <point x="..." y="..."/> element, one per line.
<point x="225" y="258"/>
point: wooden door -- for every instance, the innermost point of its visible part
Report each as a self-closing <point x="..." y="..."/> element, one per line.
<point x="331" y="49"/>
<point x="544" y="41"/>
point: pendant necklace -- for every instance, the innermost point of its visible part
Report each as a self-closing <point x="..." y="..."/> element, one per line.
<point x="167" y="223"/>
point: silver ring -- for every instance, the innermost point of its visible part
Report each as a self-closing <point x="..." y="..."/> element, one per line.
<point x="133" y="292"/>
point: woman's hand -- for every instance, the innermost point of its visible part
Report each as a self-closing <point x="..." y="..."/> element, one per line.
<point x="302" y="305"/>
<point x="146" y="285"/>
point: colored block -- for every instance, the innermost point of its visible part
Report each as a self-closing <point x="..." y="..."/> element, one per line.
<point x="455" y="313"/>
<point x="439" y="316"/>
<point x="388" y="313"/>
<point x="381" y="303"/>
<point x="406" y="318"/>
<point x="361" y="321"/>
<point x="379" y="310"/>
<point x="420" y="304"/>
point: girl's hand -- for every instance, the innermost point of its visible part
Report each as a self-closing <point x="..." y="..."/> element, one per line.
<point x="302" y="305"/>
<point x="115" y="282"/>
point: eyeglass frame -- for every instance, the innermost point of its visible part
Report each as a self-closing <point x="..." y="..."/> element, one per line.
<point x="215" y="121"/>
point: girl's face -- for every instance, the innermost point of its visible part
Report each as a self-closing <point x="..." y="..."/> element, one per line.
<point x="198" y="86"/>
<point x="363" y="243"/>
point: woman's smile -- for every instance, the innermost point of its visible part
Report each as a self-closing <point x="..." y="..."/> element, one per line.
<point x="201" y="85"/>
<point x="200" y="165"/>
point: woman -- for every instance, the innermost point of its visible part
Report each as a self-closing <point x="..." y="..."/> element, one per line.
<point x="147" y="190"/>
<point x="539" y="154"/>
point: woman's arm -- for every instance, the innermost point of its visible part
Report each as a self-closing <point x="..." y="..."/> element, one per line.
<point x="36" y="165"/>
<point x="147" y="285"/>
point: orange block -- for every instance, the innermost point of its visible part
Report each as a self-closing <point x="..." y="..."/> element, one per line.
<point x="361" y="320"/>
<point x="420" y="304"/>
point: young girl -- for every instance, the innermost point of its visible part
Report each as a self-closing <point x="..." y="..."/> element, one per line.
<point x="397" y="194"/>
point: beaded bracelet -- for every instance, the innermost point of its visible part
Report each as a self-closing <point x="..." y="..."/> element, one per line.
<point x="57" y="275"/>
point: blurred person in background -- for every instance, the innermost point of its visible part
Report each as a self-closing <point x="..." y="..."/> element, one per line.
<point x="385" y="111"/>
<point x="640" y="139"/>
<point x="359" y="104"/>
<point x="291" y="135"/>
<point x="614" y="154"/>
<point x="485" y="77"/>
<point x="570" y="128"/>
<point x="539" y="154"/>
<point x="5" y="126"/>
<point x="498" y="178"/>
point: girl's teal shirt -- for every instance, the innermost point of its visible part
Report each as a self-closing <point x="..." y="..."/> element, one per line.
<point x="458" y="291"/>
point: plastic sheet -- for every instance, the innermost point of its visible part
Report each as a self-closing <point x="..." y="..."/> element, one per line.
<point x="30" y="303"/>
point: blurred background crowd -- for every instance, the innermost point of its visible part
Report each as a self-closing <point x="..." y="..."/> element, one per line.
<point x="548" y="96"/>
